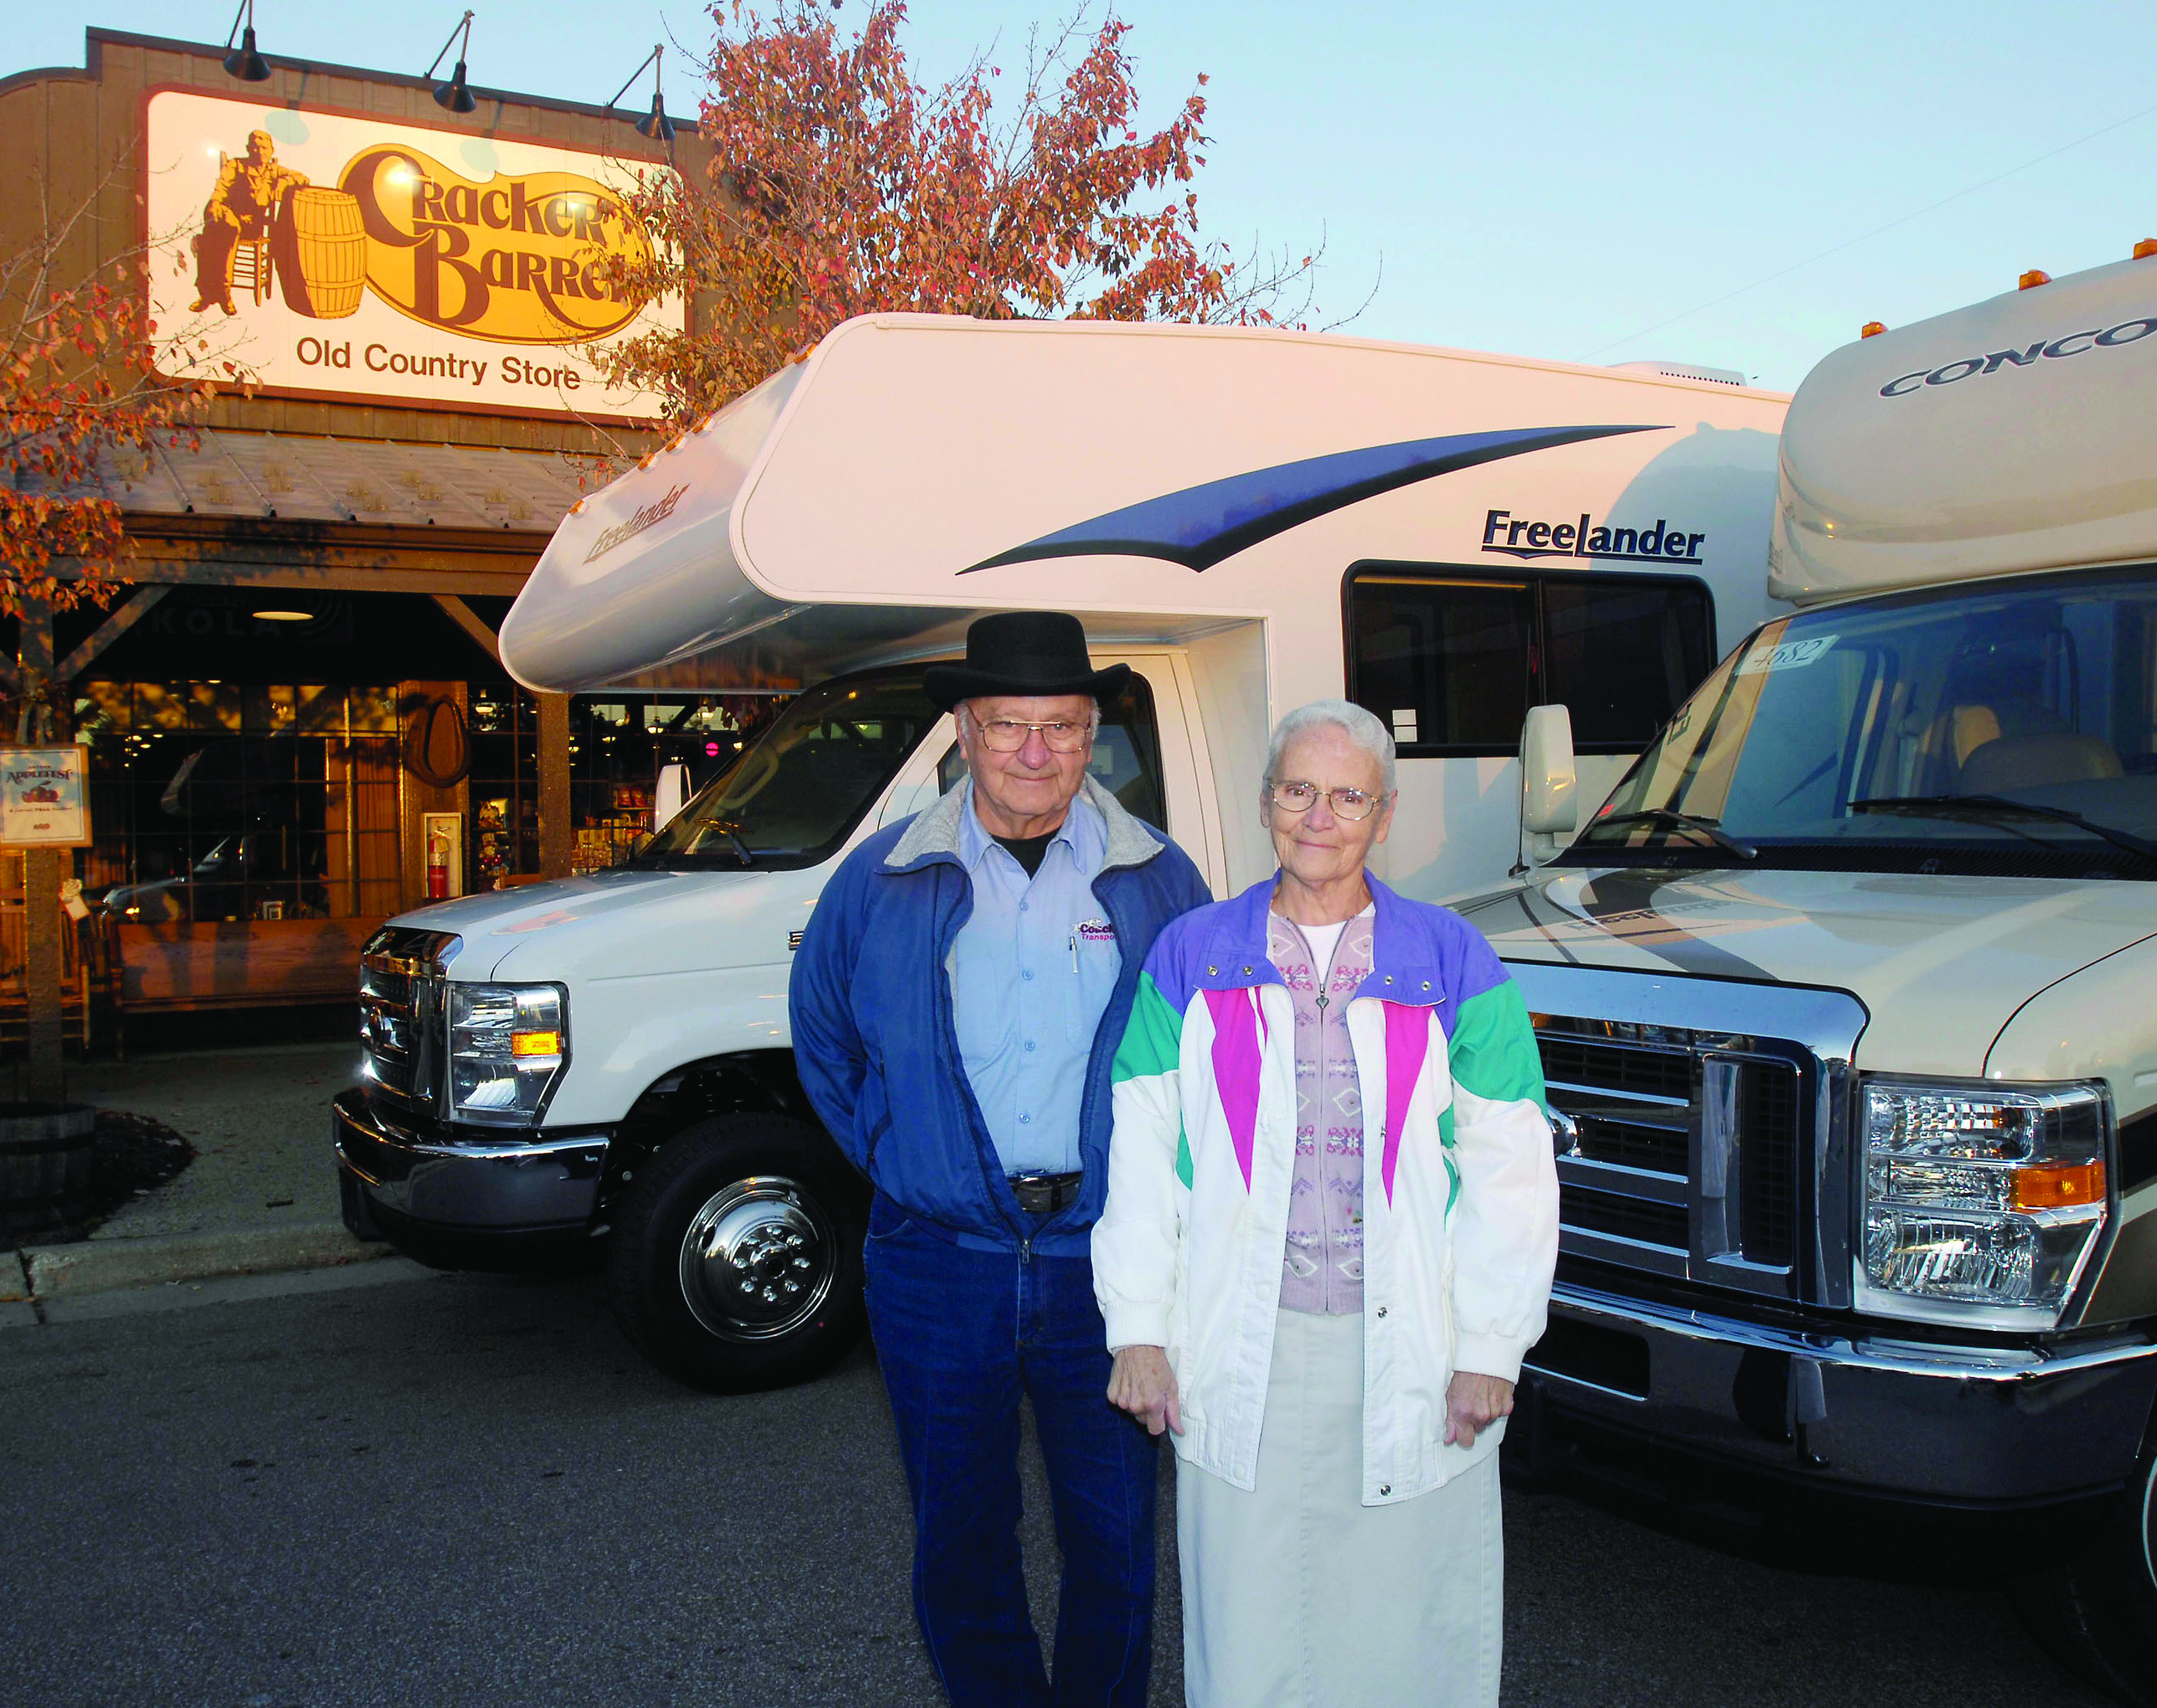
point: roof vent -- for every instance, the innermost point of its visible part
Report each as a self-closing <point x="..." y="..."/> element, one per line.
<point x="1683" y="370"/>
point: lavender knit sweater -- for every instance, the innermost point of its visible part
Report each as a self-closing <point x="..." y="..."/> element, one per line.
<point x="1322" y="1270"/>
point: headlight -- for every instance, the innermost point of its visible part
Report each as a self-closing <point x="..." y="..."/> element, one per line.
<point x="1982" y="1201"/>
<point x="508" y="1046"/>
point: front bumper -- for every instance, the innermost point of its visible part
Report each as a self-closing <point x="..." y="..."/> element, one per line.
<point x="493" y="1203"/>
<point x="1965" y="1426"/>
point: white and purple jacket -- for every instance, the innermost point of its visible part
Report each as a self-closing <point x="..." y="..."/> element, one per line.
<point x="1460" y="1187"/>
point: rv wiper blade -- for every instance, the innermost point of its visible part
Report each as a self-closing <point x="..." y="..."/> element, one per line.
<point x="748" y="855"/>
<point x="1993" y="806"/>
<point x="703" y="860"/>
<point x="1679" y="820"/>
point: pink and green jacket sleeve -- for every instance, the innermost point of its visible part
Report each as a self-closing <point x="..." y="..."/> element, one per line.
<point x="1497" y="1139"/>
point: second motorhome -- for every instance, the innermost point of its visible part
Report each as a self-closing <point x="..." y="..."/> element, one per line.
<point x="1249" y="519"/>
<point x="1844" y="996"/>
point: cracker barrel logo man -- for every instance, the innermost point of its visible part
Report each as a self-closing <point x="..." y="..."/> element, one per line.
<point x="250" y="194"/>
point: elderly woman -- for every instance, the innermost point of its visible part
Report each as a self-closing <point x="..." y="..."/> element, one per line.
<point x="1330" y="1227"/>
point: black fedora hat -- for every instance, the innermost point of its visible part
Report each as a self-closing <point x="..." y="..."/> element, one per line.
<point x="1026" y="653"/>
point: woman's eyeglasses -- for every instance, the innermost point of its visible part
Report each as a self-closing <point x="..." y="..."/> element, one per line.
<point x="1351" y="803"/>
<point x="1007" y="735"/>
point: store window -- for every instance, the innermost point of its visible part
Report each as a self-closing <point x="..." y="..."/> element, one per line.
<point x="213" y="800"/>
<point x="1451" y="661"/>
<point x="216" y="801"/>
<point x="502" y="834"/>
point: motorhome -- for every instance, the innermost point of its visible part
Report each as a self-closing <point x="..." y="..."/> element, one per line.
<point x="1843" y="995"/>
<point x="1249" y="518"/>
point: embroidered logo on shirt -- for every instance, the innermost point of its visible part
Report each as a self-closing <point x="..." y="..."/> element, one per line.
<point x="1096" y="931"/>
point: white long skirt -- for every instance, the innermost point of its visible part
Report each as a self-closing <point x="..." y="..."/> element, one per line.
<point x="1297" y="1595"/>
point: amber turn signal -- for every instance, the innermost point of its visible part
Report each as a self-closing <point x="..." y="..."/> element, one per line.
<point x="1871" y="329"/>
<point x="2034" y="277"/>
<point x="2063" y="1186"/>
<point x="535" y="1043"/>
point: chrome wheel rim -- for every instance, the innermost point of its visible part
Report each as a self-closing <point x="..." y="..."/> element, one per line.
<point x="758" y="1259"/>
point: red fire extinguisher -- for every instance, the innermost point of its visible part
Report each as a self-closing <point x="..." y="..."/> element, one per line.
<point x="438" y="867"/>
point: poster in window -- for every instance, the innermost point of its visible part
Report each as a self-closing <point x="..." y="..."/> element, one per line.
<point x="44" y="798"/>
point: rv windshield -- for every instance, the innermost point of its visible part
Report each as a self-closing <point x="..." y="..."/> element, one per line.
<point x="2008" y="727"/>
<point x="795" y="795"/>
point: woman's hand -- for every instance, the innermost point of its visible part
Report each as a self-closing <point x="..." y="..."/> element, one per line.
<point x="1474" y="1402"/>
<point x="1142" y="1383"/>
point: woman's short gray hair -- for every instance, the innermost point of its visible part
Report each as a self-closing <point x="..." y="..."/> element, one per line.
<point x="1360" y="726"/>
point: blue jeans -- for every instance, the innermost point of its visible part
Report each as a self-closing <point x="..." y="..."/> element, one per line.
<point x="960" y="1335"/>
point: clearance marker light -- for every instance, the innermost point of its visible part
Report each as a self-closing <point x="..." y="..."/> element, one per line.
<point x="2058" y="1187"/>
<point x="1871" y="329"/>
<point x="2034" y="277"/>
<point x="2145" y="249"/>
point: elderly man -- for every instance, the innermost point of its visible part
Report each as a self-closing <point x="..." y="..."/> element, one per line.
<point x="956" y="1003"/>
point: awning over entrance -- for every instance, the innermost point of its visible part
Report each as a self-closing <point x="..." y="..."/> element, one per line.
<point x="306" y="477"/>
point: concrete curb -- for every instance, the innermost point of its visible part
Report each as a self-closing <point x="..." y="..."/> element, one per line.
<point x="99" y="1265"/>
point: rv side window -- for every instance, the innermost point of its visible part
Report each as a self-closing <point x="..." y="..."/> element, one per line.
<point x="1621" y="654"/>
<point x="1444" y="663"/>
<point x="1126" y="759"/>
<point x="1452" y="662"/>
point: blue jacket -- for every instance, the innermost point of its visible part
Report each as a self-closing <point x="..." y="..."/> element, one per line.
<point x="870" y="1002"/>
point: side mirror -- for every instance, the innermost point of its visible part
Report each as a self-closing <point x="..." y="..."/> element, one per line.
<point x="674" y="789"/>
<point x="1548" y="802"/>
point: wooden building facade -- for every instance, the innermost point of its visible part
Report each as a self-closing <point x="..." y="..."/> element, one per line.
<point x="297" y="722"/>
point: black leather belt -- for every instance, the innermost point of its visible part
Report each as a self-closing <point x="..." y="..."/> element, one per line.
<point x="1043" y="1193"/>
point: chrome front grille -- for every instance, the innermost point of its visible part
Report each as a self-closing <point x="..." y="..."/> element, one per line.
<point x="402" y="1034"/>
<point x="1684" y="1152"/>
<point x="1772" y="1137"/>
<point x="1683" y="1156"/>
<point x="1703" y="1125"/>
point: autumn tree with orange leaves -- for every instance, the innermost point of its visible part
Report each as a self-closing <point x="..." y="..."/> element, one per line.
<point x="839" y="186"/>
<point x="78" y="382"/>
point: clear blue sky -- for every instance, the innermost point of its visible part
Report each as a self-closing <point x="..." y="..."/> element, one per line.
<point x="1547" y="179"/>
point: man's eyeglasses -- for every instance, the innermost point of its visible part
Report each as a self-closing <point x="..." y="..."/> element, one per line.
<point x="1007" y="735"/>
<point x="1351" y="803"/>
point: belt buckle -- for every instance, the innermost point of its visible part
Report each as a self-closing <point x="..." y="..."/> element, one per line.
<point x="1043" y="1193"/>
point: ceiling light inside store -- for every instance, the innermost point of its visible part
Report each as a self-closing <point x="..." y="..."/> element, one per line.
<point x="285" y="616"/>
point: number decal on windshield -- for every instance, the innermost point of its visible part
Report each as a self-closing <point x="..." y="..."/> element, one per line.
<point x="1791" y="655"/>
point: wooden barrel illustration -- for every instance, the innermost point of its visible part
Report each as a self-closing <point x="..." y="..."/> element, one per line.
<point x="321" y="253"/>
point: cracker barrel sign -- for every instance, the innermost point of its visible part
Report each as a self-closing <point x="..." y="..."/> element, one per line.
<point x="362" y="259"/>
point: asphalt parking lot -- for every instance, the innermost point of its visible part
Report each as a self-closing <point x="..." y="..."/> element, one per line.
<point x="377" y="1486"/>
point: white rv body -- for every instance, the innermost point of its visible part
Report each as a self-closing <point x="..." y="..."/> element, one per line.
<point x="833" y="519"/>
<point x="1203" y="499"/>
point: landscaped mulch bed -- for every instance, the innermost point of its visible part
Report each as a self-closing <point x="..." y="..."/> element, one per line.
<point x="131" y="1155"/>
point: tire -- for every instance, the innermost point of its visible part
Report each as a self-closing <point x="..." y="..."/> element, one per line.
<point x="2098" y="1616"/>
<point x="735" y="1259"/>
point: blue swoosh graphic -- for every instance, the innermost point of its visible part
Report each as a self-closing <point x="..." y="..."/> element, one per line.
<point x="1201" y="525"/>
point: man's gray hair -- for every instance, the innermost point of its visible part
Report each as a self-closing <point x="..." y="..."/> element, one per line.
<point x="1359" y="726"/>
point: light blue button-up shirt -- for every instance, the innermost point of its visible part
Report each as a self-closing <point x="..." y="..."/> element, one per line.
<point x="1032" y="971"/>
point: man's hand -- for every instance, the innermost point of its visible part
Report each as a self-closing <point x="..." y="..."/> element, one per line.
<point x="1474" y="1402"/>
<point x="1142" y="1383"/>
